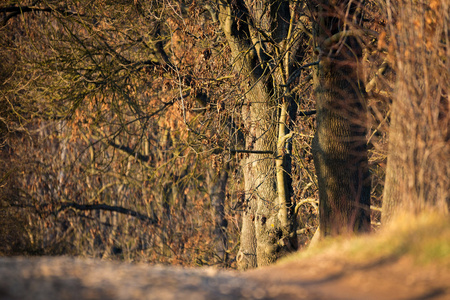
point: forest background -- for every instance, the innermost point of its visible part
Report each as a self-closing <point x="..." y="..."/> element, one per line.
<point x="204" y="133"/>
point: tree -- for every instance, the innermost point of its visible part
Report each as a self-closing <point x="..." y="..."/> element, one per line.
<point x="339" y="146"/>
<point x="264" y="42"/>
<point x="418" y="167"/>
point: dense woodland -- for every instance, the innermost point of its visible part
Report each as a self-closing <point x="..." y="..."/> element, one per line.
<point x="218" y="132"/>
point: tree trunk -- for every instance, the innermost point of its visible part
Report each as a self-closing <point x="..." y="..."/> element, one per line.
<point x="262" y="228"/>
<point x="418" y="166"/>
<point x="339" y="145"/>
<point x="217" y="194"/>
<point x="246" y="257"/>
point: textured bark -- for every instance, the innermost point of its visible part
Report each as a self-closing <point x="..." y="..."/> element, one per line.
<point x="418" y="166"/>
<point x="246" y="257"/>
<point x="253" y="112"/>
<point x="261" y="229"/>
<point x="395" y="170"/>
<point x="259" y="173"/>
<point x="217" y="195"/>
<point x="339" y="145"/>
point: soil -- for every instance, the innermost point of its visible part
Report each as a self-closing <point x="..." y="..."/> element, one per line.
<point x="316" y="278"/>
<point x="328" y="278"/>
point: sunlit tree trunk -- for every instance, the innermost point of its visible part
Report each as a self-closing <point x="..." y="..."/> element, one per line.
<point x="418" y="166"/>
<point x="262" y="228"/>
<point x="246" y="257"/>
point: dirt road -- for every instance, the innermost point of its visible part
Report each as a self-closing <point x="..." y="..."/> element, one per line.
<point x="76" y="278"/>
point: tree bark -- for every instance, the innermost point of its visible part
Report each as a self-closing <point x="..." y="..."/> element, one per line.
<point x="339" y="145"/>
<point x="246" y="257"/>
<point x="262" y="229"/>
<point x="418" y="168"/>
<point x="418" y="165"/>
<point x="217" y="195"/>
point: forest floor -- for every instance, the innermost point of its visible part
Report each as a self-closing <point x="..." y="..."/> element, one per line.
<point x="405" y="263"/>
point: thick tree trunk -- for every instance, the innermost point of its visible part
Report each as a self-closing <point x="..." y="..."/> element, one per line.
<point x="394" y="187"/>
<point x="418" y="166"/>
<point x="262" y="229"/>
<point x="260" y="176"/>
<point x="246" y="257"/>
<point x="264" y="190"/>
<point x="339" y="145"/>
<point x="260" y="182"/>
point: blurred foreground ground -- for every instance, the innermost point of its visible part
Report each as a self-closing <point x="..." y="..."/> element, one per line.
<point x="408" y="260"/>
<point x="315" y="278"/>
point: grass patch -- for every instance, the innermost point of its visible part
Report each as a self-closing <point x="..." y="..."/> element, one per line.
<point x="424" y="238"/>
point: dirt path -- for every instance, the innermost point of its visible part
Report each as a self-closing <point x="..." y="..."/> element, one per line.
<point x="326" y="278"/>
<point x="317" y="278"/>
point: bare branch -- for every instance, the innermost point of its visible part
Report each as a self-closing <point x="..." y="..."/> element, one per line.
<point x="18" y="10"/>
<point x="297" y="72"/>
<point x="126" y="149"/>
<point x="329" y="42"/>
<point x="106" y="207"/>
